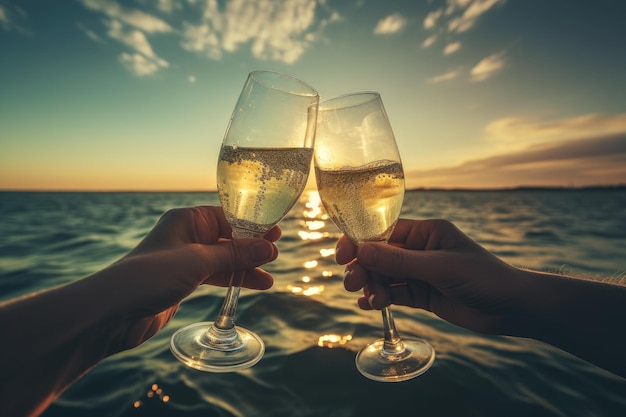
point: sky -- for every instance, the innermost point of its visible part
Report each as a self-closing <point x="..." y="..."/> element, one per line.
<point x="137" y="94"/>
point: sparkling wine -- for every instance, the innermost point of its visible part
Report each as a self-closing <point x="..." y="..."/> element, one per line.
<point x="364" y="202"/>
<point x="258" y="186"/>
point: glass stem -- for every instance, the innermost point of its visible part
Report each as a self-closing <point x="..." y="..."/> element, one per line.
<point x="226" y="318"/>
<point x="393" y="347"/>
<point x="223" y="334"/>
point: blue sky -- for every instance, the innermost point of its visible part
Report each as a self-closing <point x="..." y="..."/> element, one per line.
<point x="136" y="95"/>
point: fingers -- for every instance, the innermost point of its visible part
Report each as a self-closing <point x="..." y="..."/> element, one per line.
<point x="355" y="277"/>
<point x="274" y="234"/>
<point x="241" y="254"/>
<point x="254" y="279"/>
<point x="406" y="265"/>
<point x="202" y="224"/>
<point x="345" y="250"/>
<point x="237" y="255"/>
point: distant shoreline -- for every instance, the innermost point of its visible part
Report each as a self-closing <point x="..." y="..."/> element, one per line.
<point x="617" y="187"/>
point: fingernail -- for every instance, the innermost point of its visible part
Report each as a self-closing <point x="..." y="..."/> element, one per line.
<point x="368" y="255"/>
<point x="261" y="251"/>
<point x="347" y="273"/>
<point x="370" y="300"/>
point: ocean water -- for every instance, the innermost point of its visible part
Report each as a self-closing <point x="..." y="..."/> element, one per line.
<point x="312" y="327"/>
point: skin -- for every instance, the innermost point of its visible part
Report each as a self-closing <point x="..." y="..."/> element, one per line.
<point x="53" y="337"/>
<point x="432" y="265"/>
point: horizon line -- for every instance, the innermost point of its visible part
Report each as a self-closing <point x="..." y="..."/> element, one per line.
<point x="511" y="188"/>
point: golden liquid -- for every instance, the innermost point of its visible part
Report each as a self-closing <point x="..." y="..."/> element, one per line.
<point x="364" y="202"/>
<point x="258" y="186"/>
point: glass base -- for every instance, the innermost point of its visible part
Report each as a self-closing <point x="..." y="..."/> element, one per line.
<point x="193" y="346"/>
<point x="373" y="363"/>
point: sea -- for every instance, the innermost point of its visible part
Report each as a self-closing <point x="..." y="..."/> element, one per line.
<point x="312" y="327"/>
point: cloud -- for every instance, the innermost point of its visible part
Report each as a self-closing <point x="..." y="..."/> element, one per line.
<point x="391" y="24"/>
<point x="90" y="33"/>
<point x="279" y="31"/>
<point x="488" y="67"/>
<point x="274" y="30"/>
<point x="431" y="19"/>
<point x="586" y="161"/>
<point x="167" y="6"/>
<point x="129" y="27"/>
<point x="5" y="22"/>
<point x="447" y="76"/>
<point x="141" y="65"/>
<point x="429" y="41"/>
<point x="451" y="48"/>
<point x="516" y="131"/>
<point x="144" y="61"/>
<point x="588" y="149"/>
<point x="132" y="38"/>
<point x="474" y="9"/>
<point x="456" y="17"/>
<point x="135" y="18"/>
<point x="11" y="19"/>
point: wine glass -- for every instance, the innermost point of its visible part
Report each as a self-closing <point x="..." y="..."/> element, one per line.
<point x="262" y="169"/>
<point x="360" y="181"/>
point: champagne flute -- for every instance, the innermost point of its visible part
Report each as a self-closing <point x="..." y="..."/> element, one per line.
<point x="263" y="168"/>
<point x="360" y="180"/>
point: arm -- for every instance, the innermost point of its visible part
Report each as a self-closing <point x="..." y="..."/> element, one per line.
<point x="432" y="265"/>
<point x="53" y="337"/>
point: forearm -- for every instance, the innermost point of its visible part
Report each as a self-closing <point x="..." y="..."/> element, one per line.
<point x="582" y="317"/>
<point x="50" y="339"/>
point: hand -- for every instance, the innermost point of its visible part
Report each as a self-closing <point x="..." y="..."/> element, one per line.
<point x="77" y="325"/>
<point x="186" y="248"/>
<point x="432" y="265"/>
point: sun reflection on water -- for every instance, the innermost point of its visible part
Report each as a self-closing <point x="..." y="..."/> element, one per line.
<point x="307" y="291"/>
<point x="333" y="340"/>
<point x="155" y="392"/>
<point x="313" y="229"/>
<point x="313" y="225"/>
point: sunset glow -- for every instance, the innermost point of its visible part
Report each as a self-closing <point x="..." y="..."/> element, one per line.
<point x="135" y="95"/>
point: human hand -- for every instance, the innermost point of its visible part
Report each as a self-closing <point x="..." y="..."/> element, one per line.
<point x="186" y="248"/>
<point x="432" y="265"/>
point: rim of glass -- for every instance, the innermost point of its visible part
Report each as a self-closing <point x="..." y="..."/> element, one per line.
<point x="348" y="100"/>
<point x="307" y="91"/>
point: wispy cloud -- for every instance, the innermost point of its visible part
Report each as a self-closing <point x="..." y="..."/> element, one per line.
<point x="484" y="69"/>
<point x="583" y="150"/>
<point x="451" y="48"/>
<point x="429" y="41"/>
<point x="12" y="18"/>
<point x="473" y="11"/>
<point x="5" y="21"/>
<point x="280" y="31"/>
<point x="487" y="67"/>
<point x="515" y="131"/>
<point x="391" y="24"/>
<point x="141" y="65"/>
<point x="274" y="30"/>
<point x="90" y="33"/>
<point x="129" y="27"/>
<point x="135" y="18"/>
<point x="586" y="161"/>
<point x="431" y="19"/>
<point x="456" y="17"/>
<point x="447" y="76"/>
